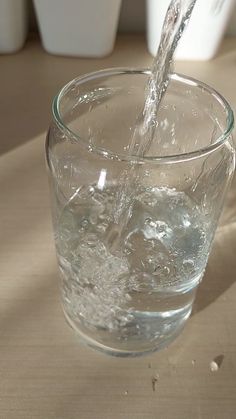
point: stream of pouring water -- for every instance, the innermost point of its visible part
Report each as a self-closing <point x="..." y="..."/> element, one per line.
<point x="177" y="17"/>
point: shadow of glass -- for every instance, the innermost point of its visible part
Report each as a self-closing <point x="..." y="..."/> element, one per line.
<point x="221" y="268"/>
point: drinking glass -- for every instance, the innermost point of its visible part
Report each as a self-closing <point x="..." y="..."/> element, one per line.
<point x="135" y="297"/>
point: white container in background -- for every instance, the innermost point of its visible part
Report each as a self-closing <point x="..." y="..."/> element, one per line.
<point x="202" y="36"/>
<point x="13" y="25"/>
<point x="84" y="28"/>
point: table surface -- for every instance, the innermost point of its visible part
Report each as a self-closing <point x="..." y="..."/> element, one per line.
<point x="45" y="372"/>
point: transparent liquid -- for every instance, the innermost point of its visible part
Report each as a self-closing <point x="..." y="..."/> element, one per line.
<point x="177" y="17"/>
<point x="135" y="298"/>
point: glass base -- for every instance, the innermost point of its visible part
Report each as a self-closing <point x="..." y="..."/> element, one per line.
<point x="150" y="347"/>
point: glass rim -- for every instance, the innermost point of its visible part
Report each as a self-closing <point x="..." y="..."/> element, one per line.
<point x="175" y="158"/>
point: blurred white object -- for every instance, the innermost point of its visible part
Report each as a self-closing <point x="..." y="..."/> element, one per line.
<point x="78" y="27"/>
<point x="13" y="25"/>
<point x="204" y="33"/>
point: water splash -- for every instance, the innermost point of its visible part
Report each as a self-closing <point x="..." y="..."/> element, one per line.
<point x="177" y="17"/>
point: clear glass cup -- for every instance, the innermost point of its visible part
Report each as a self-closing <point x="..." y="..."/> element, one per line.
<point x="135" y="298"/>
